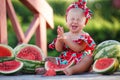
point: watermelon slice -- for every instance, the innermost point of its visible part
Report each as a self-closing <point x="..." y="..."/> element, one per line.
<point x="9" y="67"/>
<point x="31" y="55"/>
<point x="29" y="52"/>
<point x="50" y="72"/>
<point x="6" y="53"/>
<point x="105" y="65"/>
<point x="49" y="65"/>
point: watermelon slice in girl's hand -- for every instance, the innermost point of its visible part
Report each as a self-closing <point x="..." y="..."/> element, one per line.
<point x="50" y="72"/>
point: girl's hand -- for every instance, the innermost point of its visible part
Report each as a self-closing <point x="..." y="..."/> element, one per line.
<point x="60" y="31"/>
<point x="59" y="42"/>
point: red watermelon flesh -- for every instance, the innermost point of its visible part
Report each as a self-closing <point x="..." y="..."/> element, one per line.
<point x="29" y="53"/>
<point x="4" y="52"/>
<point x="50" y="65"/>
<point x="10" y="67"/>
<point x="104" y="63"/>
<point x="50" y="72"/>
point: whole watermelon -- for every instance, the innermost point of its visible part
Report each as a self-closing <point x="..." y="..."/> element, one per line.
<point x="31" y="55"/>
<point x="108" y="48"/>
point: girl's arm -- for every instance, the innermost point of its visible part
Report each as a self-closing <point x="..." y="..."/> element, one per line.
<point x="59" y="45"/>
<point x="74" y="46"/>
<point x="62" y="39"/>
<point x="59" y="42"/>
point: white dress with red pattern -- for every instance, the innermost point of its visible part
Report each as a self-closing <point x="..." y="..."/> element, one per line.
<point x="68" y="55"/>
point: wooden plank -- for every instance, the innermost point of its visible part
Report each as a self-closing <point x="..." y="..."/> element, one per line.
<point x="29" y="6"/>
<point x="15" y="22"/>
<point x="3" y="22"/>
<point x="31" y="30"/>
<point x="41" y="39"/>
<point x="87" y="76"/>
<point x="42" y="7"/>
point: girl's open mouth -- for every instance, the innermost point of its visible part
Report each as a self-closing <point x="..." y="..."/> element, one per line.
<point x="74" y="27"/>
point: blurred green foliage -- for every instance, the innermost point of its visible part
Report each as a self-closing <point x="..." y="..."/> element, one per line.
<point x="104" y="25"/>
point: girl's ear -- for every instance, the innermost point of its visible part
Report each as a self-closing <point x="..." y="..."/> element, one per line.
<point x="83" y="25"/>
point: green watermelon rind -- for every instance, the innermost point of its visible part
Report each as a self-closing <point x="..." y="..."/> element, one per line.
<point x="31" y="61"/>
<point x="18" y="47"/>
<point x="14" y="71"/>
<point x="29" y="67"/>
<point x="12" y="57"/>
<point x="104" y="44"/>
<point x="61" y="69"/>
<point x="111" y="69"/>
<point x="119" y="68"/>
<point x="28" y="70"/>
<point x="21" y="46"/>
<point x="109" y="51"/>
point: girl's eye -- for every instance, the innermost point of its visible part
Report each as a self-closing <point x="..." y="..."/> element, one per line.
<point x="72" y="19"/>
<point x="76" y="19"/>
<point x="79" y="19"/>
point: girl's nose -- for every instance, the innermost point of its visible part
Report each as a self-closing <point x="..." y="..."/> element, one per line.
<point x="75" y="21"/>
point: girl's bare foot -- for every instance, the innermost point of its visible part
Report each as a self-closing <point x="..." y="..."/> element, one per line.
<point x="40" y="71"/>
<point x="67" y="72"/>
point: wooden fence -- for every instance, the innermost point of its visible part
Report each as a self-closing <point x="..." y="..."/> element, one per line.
<point x="43" y="19"/>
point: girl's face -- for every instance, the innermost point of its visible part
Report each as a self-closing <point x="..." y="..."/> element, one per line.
<point x="76" y="20"/>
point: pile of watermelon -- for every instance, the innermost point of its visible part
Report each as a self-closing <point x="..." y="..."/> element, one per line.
<point x="107" y="57"/>
<point x="26" y="58"/>
<point x="23" y="58"/>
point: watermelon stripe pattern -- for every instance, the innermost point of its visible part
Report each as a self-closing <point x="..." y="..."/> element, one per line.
<point x="108" y="48"/>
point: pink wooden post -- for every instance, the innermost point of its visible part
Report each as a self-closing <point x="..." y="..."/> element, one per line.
<point x="41" y="35"/>
<point x="32" y="28"/>
<point x="14" y="20"/>
<point x="3" y="24"/>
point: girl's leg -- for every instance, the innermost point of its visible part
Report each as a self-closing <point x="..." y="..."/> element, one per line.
<point x="81" y="67"/>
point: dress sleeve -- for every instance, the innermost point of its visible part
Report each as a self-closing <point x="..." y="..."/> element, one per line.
<point x="88" y="40"/>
